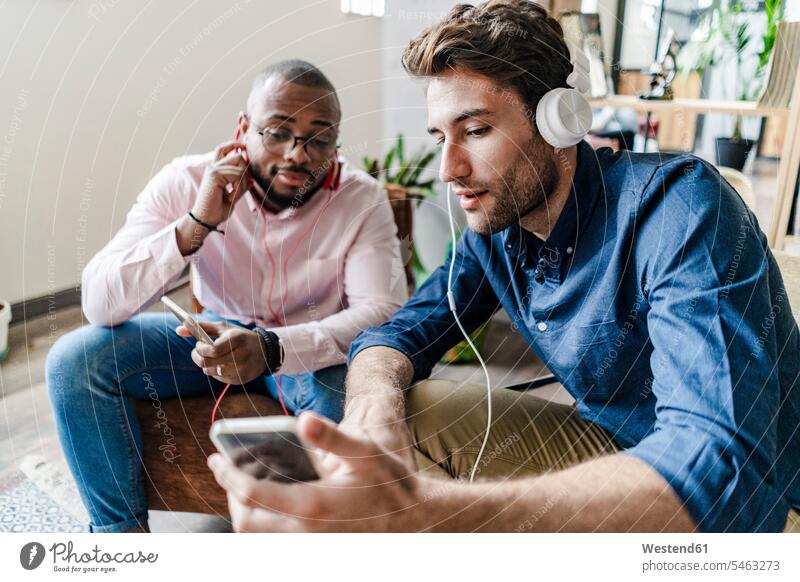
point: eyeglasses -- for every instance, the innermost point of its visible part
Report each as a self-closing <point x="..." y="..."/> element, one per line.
<point x="281" y="142"/>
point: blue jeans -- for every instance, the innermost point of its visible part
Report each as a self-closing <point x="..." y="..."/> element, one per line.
<point x="93" y="371"/>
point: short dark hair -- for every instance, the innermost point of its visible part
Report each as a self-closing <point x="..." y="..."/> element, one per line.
<point x="295" y="71"/>
<point x="516" y="43"/>
<point x="299" y="72"/>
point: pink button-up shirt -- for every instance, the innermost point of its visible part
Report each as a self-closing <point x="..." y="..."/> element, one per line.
<point x="317" y="274"/>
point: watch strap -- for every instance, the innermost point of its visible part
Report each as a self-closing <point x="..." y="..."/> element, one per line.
<point x="273" y="351"/>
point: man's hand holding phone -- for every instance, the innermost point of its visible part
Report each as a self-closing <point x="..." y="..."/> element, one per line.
<point x="371" y="489"/>
<point x="224" y="183"/>
<point x="236" y="357"/>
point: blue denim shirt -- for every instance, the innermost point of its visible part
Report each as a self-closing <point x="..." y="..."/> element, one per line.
<point x="657" y="304"/>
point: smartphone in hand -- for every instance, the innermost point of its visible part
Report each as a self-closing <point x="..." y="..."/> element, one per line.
<point x="187" y="320"/>
<point x="267" y="447"/>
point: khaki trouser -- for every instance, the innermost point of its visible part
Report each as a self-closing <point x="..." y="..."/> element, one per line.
<point x="529" y="435"/>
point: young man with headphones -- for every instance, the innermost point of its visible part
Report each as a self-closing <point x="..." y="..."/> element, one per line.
<point x="293" y="253"/>
<point x="642" y="282"/>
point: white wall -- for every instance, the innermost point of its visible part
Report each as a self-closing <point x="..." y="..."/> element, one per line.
<point x="98" y="94"/>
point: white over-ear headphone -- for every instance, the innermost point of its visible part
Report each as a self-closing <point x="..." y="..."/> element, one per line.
<point x="564" y="116"/>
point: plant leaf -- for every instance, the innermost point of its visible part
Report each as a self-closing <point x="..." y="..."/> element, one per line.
<point x="400" y="148"/>
<point x="389" y="159"/>
<point x="401" y="175"/>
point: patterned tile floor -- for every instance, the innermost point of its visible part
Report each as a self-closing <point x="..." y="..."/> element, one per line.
<point x="26" y="508"/>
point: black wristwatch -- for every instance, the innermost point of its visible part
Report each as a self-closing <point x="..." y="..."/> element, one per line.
<point x="273" y="349"/>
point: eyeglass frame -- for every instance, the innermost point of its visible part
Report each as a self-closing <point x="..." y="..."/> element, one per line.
<point x="295" y="138"/>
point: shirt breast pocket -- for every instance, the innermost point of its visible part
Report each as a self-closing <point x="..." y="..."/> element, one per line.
<point x="599" y="359"/>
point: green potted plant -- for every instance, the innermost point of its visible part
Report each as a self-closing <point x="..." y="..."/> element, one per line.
<point x="724" y="35"/>
<point x="401" y="175"/>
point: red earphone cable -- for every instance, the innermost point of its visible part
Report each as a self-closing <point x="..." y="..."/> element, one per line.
<point x="275" y="316"/>
<point x="216" y="404"/>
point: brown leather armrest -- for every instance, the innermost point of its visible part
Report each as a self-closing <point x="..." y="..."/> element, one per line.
<point x="176" y="446"/>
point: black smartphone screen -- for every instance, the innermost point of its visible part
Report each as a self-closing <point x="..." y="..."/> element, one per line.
<point x="276" y="455"/>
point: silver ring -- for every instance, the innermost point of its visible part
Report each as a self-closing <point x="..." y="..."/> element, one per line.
<point x="219" y="370"/>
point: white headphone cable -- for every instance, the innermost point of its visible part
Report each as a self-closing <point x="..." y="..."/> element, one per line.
<point x="452" y="303"/>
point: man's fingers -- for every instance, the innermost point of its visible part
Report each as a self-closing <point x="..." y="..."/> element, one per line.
<point x="235" y="158"/>
<point x="214" y="329"/>
<point x="214" y="351"/>
<point x="241" y="187"/>
<point x="249" y="520"/>
<point x="230" y="181"/>
<point x="230" y="170"/>
<point x="224" y="149"/>
<point x="225" y="345"/>
<point x="324" y="434"/>
<point x="328" y="463"/>
<point x="183" y="331"/>
<point x="226" y="342"/>
<point x="232" y="175"/>
<point x="232" y="362"/>
<point x="249" y="491"/>
<point x="199" y="360"/>
<point x="233" y="163"/>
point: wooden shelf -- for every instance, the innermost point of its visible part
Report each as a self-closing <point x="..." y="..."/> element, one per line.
<point x="789" y="166"/>
<point x="694" y="105"/>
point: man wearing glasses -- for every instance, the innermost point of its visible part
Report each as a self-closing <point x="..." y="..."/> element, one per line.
<point x="293" y="253"/>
